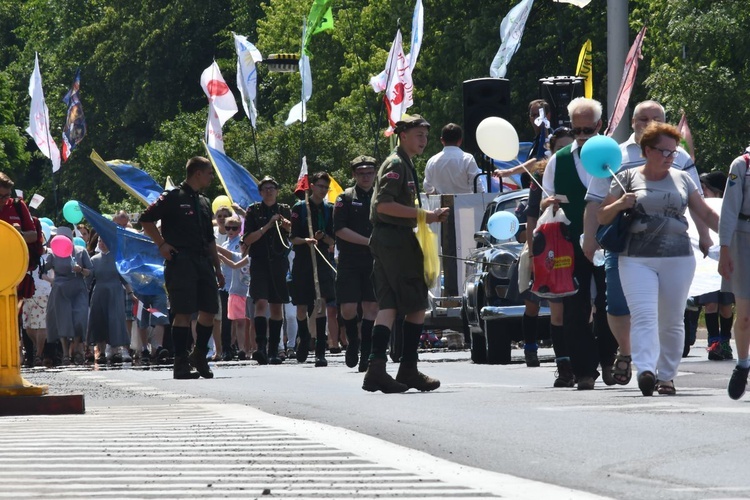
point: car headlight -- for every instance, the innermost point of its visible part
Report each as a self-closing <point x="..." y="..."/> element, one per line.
<point x="499" y="264"/>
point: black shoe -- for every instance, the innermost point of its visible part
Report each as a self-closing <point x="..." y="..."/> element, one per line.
<point x="241" y="356"/>
<point x="261" y="357"/>
<point x="565" y="375"/>
<point x="335" y="350"/>
<point x="352" y="353"/>
<point x="303" y="348"/>
<point x="182" y="369"/>
<point x="364" y="361"/>
<point x="737" y="382"/>
<point x="198" y="360"/>
<point x="227" y="355"/>
<point x="321" y="362"/>
<point x="532" y="358"/>
<point x="647" y="383"/>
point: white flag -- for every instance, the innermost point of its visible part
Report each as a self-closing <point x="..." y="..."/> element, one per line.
<point x="298" y="112"/>
<point x="218" y="93"/>
<point x="214" y="135"/>
<point x="36" y="200"/>
<point x="511" y="30"/>
<point x="39" y="119"/>
<point x="380" y="82"/>
<point x="398" y="94"/>
<point x="578" y="3"/>
<point x="247" y="74"/>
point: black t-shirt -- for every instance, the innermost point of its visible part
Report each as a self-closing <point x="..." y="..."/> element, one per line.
<point x="269" y="246"/>
<point x="352" y="210"/>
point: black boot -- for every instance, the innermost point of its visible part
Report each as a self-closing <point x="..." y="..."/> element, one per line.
<point x="303" y="340"/>
<point x="365" y="345"/>
<point x="352" y="338"/>
<point x="565" y="375"/>
<point x="414" y="379"/>
<point x="274" y="337"/>
<point x="197" y="360"/>
<point x="261" y="339"/>
<point x="321" y="342"/>
<point x="182" y="369"/>
<point x="377" y="379"/>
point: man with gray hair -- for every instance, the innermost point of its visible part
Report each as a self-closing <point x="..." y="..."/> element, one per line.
<point x="578" y="350"/>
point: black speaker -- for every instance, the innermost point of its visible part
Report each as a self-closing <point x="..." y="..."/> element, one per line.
<point x="558" y="91"/>
<point x="483" y="97"/>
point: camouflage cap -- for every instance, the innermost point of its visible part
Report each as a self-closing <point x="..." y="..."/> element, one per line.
<point x="363" y="161"/>
<point x="409" y="122"/>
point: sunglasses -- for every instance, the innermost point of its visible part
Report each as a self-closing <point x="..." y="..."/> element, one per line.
<point x="583" y="130"/>
<point x="666" y="153"/>
<point x="232" y="228"/>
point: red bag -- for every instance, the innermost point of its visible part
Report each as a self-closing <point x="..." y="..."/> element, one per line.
<point x="553" y="258"/>
<point x="26" y="287"/>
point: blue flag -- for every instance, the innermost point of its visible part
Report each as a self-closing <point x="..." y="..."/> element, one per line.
<point x="239" y="184"/>
<point x="137" y="257"/>
<point x="131" y="178"/>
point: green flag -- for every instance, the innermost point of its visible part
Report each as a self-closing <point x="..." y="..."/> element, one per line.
<point x="319" y="19"/>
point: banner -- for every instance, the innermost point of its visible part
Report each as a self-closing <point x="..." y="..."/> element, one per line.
<point x="75" y="124"/>
<point x="626" y="84"/>
<point x="218" y="93"/>
<point x="239" y="184"/>
<point x="511" y="31"/>
<point x="129" y="177"/>
<point x="38" y="127"/>
<point x="247" y="75"/>
<point x="398" y="93"/>
<point x="584" y="69"/>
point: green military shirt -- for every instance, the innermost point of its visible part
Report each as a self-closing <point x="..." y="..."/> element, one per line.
<point x="395" y="182"/>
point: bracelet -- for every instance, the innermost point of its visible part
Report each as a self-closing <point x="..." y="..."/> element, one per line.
<point x="163" y="243"/>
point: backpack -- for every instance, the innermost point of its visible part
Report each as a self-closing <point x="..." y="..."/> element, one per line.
<point x="36" y="248"/>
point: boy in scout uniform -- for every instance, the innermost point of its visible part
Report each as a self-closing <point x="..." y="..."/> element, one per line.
<point x="398" y="267"/>
<point x="352" y="226"/>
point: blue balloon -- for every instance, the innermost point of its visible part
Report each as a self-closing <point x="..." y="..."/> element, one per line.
<point x="601" y="156"/>
<point x="502" y="225"/>
<point x="47" y="220"/>
<point x="46" y="230"/>
<point x="78" y="241"/>
<point x="72" y="212"/>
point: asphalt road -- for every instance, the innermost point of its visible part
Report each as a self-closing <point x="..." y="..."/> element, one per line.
<point x="610" y="442"/>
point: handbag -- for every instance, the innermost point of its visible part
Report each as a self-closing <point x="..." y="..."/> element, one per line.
<point x="613" y="237"/>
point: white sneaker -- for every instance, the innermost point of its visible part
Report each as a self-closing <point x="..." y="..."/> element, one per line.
<point x="125" y="353"/>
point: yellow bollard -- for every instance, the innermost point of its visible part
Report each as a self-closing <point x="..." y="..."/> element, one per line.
<point x="15" y="260"/>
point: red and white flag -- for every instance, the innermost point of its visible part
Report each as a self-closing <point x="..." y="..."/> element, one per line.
<point x="398" y="94"/>
<point x="303" y="183"/>
<point x="218" y="93"/>
<point x="626" y="84"/>
<point x="687" y="136"/>
<point x="214" y="135"/>
<point x="38" y="127"/>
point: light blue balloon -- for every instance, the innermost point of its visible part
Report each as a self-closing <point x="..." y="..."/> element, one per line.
<point x="78" y="241"/>
<point x="47" y="220"/>
<point x="502" y="225"/>
<point x="601" y="156"/>
<point x="46" y="230"/>
<point x="72" y="212"/>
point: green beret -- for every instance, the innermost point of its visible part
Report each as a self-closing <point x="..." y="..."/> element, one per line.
<point x="408" y="122"/>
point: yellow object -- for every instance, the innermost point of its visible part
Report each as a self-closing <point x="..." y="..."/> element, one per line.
<point x="585" y="69"/>
<point x="15" y="258"/>
<point x="428" y="242"/>
<point x="221" y="201"/>
<point x="334" y="190"/>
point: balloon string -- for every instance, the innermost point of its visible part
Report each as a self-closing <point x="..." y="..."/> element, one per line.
<point x="616" y="179"/>
<point x="531" y="176"/>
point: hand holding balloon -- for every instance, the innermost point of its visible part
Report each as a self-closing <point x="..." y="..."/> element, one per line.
<point x="502" y="225"/>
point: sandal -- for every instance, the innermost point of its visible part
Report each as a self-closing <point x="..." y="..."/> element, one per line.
<point x="666" y="388"/>
<point x="647" y="383"/>
<point x="621" y="370"/>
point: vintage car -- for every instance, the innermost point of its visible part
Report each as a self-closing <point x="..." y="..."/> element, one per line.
<point x="492" y="309"/>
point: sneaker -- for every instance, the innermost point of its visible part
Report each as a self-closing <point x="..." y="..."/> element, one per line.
<point x="145" y="356"/>
<point x="714" y="351"/>
<point x="737" y="382"/>
<point x="101" y="359"/>
<point x="726" y="350"/>
<point x="227" y="355"/>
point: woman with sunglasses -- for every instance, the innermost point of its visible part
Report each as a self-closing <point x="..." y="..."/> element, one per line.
<point x="657" y="266"/>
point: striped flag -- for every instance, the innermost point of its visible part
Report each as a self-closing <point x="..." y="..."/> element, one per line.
<point x="128" y="176"/>
<point x="627" y="82"/>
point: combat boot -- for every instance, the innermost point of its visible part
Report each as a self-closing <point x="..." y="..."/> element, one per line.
<point x="273" y="352"/>
<point x="182" y="369"/>
<point x="197" y="360"/>
<point x="414" y="379"/>
<point x="260" y="354"/>
<point x="565" y="375"/>
<point x="303" y="346"/>
<point x="321" y="342"/>
<point x="377" y="379"/>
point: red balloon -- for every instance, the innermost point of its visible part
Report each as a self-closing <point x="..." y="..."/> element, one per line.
<point x="61" y="246"/>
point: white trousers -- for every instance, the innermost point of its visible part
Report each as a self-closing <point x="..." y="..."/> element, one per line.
<point x="656" y="289"/>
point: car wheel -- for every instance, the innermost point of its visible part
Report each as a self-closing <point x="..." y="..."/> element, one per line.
<point x="465" y="327"/>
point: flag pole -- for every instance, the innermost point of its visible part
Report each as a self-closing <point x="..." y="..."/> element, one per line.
<point x="302" y="94"/>
<point x="255" y="146"/>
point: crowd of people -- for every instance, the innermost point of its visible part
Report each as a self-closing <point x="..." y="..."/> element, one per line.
<point x="272" y="282"/>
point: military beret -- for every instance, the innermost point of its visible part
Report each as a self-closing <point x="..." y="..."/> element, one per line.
<point x="363" y="161"/>
<point x="411" y="121"/>
<point x="267" y="179"/>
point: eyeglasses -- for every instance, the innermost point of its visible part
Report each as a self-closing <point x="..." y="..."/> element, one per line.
<point x="583" y="130"/>
<point x="324" y="188"/>
<point x="268" y="189"/>
<point x="666" y="153"/>
<point x="365" y="174"/>
<point x="232" y="228"/>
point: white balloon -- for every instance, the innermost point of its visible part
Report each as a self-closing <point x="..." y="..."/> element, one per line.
<point x="497" y="138"/>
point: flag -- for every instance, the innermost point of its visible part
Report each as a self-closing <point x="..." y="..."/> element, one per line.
<point x="319" y="19"/>
<point x="303" y="183"/>
<point x="584" y="69"/>
<point x="247" y="74"/>
<point x="169" y="184"/>
<point x="298" y="111"/>
<point x="137" y="257"/>
<point x="38" y="127"/>
<point x="398" y="93"/>
<point x="687" y="136"/>
<point x="577" y="3"/>
<point x="511" y="30"/>
<point x="239" y="184"/>
<point x="214" y="136"/>
<point x="75" y="125"/>
<point x="218" y="93"/>
<point x="132" y="179"/>
<point x="36" y="200"/>
<point x="380" y="82"/>
<point x="626" y="84"/>
<point x="334" y="190"/>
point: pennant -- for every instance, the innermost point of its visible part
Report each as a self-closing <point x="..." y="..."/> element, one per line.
<point x="138" y="307"/>
<point x="398" y="94"/>
<point x="584" y="69"/>
<point x="511" y="31"/>
<point x="169" y="184"/>
<point x="577" y="3"/>
<point x="239" y="184"/>
<point x="137" y="257"/>
<point x="38" y="127"/>
<point x="75" y="124"/>
<point x="380" y="82"/>
<point x="334" y="190"/>
<point x="319" y="19"/>
<point x="247" y="74"/>
<point x="626" y="84"/>
<point x="298" y="111"/>
<point x="303" y="183"/>
<point x="214" y="136"/>
<point x="129" y="177"/>
<point x="687" y="137"/>
<point x="218" y="93"/>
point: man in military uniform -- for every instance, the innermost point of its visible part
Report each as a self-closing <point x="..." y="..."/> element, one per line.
<point x="192" y="270"/>
<point x="267" y="226"/>
<point x="352" y="226"/>
<point x="303" y="292"/>
<point x="398" y="267"/>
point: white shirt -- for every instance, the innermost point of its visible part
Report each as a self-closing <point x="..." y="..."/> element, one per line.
<point x="452" y="171"/>
<point x="632" y="157"/>
<point x="548" y="181"/>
